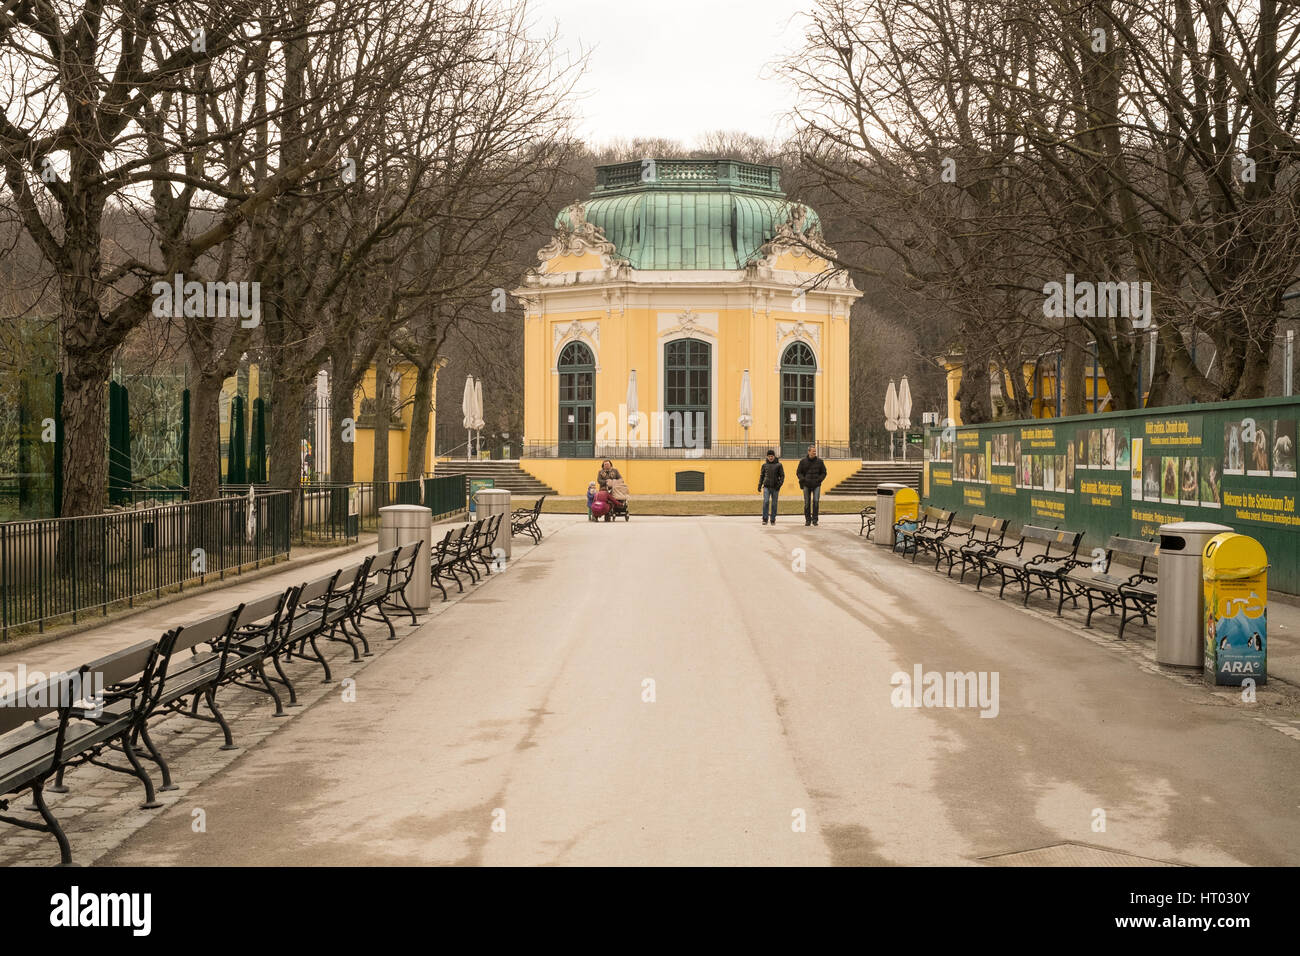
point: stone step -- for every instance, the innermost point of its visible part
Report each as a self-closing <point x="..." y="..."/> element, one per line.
<point x="865" y="479"/>
<point x="504" y="474"/>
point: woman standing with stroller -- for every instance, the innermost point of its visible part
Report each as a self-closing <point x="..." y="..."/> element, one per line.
<point x="607" y="471"/>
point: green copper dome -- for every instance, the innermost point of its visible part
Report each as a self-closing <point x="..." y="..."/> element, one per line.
<point x="688" y="213"/>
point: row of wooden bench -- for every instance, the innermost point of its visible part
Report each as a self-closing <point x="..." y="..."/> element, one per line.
<point x="52" y="726"/>
<point x="1039" y="559"/>
<point x="103" y="709"/>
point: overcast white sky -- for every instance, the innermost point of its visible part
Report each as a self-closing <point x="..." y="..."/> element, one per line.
<point x="677" y="68"/>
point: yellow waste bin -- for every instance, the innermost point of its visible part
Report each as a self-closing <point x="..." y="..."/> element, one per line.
<point x="907" y="505"/>
<point x="907" y="510"/>
<point x="1235" y="576"/>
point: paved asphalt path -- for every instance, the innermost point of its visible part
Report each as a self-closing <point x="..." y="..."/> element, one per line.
<point x="513" y="727"/>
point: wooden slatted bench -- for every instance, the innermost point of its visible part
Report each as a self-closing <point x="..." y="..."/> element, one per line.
<point x="444" y="558"/>
<point x="43" y="732"/>
<point x="306" y="625"/>
<point x="1023" y="567"/>
<point x="524" y="521"/>
<point x="1099" y="584"/>
<point x="935" y="525"/>
<point x="868" y="516"/>
<point x="483" y="552"/>
<point x="985" y="535"/>
<point x="470" y="543"/>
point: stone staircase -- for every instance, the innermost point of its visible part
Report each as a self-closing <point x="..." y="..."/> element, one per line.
<point x="863" y="482"/>
<point x="504" y="474"/>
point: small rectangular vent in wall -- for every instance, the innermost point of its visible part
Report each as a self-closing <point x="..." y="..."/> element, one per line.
<point x="690" y="480"/>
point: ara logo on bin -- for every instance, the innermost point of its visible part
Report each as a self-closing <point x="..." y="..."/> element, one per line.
<point x="1240" y="667"/>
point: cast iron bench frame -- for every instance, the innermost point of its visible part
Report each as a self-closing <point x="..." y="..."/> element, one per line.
<point x="524" y="521"/>
<point x="1102" y="589"/>
<point x="1044" y="566"/>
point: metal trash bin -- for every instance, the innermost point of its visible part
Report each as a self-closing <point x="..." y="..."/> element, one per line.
<point x="496" y="501"/>
<point x="404" y="524"/>
<point x="884" y="533"/>
<point x="1180" y="593"/>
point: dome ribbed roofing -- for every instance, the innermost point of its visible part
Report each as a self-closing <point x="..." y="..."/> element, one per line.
<point x="688" y="213"/>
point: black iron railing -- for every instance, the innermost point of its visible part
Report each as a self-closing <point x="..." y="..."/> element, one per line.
<point x="754" y="449"/>
<point x="56" y="569"/>
<point x="330" y="511"/>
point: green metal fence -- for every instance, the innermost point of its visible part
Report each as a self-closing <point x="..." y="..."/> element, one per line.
<point x="1232" y="463"/>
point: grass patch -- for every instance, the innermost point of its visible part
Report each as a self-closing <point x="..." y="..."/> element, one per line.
<point x="790" y="506"/>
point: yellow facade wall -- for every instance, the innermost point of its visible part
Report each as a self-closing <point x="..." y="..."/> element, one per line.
<point x="746" y="339"/>
<point x="645" y="476"/>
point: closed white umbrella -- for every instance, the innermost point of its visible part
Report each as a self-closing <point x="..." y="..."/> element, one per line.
<point x="746" y="407"/>
<point x="891" y="414"/>
<point x="467" y="410"/>
<point x="478" y="414"/>
<point x="633" y="416"/>
<point x="904" y="411"/>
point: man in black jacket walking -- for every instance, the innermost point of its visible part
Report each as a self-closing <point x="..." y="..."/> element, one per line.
<point x="771" y="476"/>
<point x="811" y="473"/>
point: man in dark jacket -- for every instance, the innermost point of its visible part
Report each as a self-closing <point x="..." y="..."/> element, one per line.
<point x="771" y="476"/>
<point x="811" y="473"/>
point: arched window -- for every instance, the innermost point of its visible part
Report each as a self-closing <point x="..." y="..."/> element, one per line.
<point x="577" y="371"/>
<point x="688" y="394"/>
<point x="798" y="400"/>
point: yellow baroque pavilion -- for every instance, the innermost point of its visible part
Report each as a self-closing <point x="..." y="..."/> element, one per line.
<point x="676" y="287"/>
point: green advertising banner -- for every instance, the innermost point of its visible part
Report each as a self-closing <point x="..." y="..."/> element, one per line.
<point x="1127" y="473"/>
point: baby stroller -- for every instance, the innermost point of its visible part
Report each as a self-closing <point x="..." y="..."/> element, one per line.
<point x="618" y="498"/>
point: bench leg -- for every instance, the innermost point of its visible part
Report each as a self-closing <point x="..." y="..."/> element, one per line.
<point x="156" y="756"/>
<point x="320" y="659"/>
<point x="356" y="627"/>
<point x="1123" y="617"/>
<point x="284" y="679"/>
<point x="261" y="675"/>
<point x="410" y="610"/>
<point x="57" y="786"/>
<point x="1030" y="587"/>
<point x="151" y="801"/>
<point x="341" y="624"/>
<point x="52" y="824"/>
<point x="210" y="697"/>
<point x="437" y="582"/>
<point x="468" y="566"/>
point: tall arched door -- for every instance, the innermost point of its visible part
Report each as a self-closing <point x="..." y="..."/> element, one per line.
<point x="798" y="400"/>
<point x="577" y="370"/>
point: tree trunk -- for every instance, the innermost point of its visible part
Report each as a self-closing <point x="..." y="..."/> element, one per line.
<point x="85" y="455"/>
<point x="288" y="398"/>
<point x="342" y="435"/>
<point x="1072" y="370"/>
<point x="421" y="403"/>
<point x="383" y="403"/>
<point x="1257" y="361"/>
<point x="205" y="438"/>
<point x="974" y="401"/>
